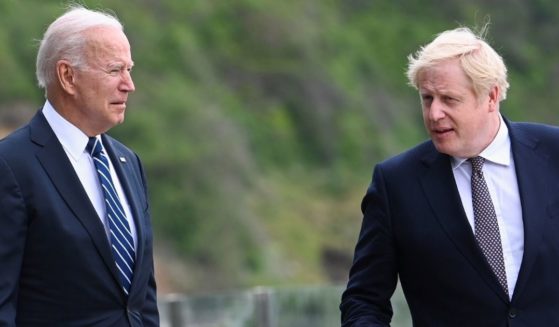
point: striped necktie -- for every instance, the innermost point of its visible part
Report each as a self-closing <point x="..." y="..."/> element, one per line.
<point x="122" y="243"/>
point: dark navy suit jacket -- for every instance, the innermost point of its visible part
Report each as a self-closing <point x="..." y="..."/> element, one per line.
<point x="56" y="266"/>
<point x="415" y="228"/>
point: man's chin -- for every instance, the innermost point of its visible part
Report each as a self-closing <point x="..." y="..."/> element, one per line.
<point x="445" y="149"/>
<point x="119" y="118"/>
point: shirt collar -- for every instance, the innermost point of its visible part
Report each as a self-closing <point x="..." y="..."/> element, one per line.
<point x="498" y="151"/>
<point x="72" y="138"/>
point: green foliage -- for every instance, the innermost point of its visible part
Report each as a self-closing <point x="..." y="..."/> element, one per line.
<point x="259" y="121"/>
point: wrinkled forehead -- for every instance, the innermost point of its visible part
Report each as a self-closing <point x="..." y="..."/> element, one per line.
<point x="447" y="78"/>
<point x="105" y="45"/>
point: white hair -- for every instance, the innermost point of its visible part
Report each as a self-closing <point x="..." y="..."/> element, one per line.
<point x="64" y="39"/>
<point x="480" y="62"/>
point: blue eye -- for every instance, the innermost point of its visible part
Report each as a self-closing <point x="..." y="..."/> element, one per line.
<point x="118" y="70"/>
<point x="426" y="98"/>
<point x="450" y="99"/>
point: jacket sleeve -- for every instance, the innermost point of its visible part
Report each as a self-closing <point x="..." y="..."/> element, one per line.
<point x="13" y="229"/>
<point x="150" y="314"/>
<point x="373" y="275"/>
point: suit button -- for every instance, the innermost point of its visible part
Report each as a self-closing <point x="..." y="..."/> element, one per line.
<point x="512" y="313"/>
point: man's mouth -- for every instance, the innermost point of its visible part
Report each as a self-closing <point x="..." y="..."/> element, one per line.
<point x="442" y="131"/>
<point x="119" y="103"/>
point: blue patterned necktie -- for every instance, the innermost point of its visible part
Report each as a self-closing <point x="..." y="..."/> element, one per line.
<point x="485" y="222"/>
<point x="122" y="243"/>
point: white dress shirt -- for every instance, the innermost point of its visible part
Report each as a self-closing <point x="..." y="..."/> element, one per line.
<point x="74" y="142"/>
<point x="500" y="175"/>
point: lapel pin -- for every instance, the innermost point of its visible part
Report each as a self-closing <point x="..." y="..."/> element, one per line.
<point x="122" y="159"/>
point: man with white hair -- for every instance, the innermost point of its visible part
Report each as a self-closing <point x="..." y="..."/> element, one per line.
<point x="75" y="231"/>
<point x="468" y="221"/>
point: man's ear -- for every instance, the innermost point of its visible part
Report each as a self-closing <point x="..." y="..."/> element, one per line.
<point x="66" y="76"/>
<point x="494" y="97"/>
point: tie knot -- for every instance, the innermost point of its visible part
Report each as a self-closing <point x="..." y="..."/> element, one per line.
<point x="477" y="163"/>
<point x="94" y="147"/>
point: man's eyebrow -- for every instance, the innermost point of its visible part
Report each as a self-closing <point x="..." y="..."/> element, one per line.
<point x="120" y="64"/>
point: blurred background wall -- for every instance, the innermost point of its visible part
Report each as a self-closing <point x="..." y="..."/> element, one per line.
<point x="259" y="121"/>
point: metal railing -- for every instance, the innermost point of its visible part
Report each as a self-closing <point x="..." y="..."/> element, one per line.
<point x="307" y="306"/>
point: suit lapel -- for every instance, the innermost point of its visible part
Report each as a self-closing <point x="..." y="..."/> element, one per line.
<point x="533" y="174"/>
<point x="442" y="194"/>
<point x="54" y="160"/>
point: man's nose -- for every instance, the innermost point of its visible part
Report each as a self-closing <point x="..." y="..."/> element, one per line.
<point x="127" y="84"/>
<point x="436" y="110"/>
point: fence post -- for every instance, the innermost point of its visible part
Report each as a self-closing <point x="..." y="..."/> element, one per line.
<point x="175" y="307"/>
<point x="263" y="307"/>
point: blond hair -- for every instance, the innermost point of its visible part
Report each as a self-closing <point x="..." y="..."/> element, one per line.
<point x="483" y="65"/>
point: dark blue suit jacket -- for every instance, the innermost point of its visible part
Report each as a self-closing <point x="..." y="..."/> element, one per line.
<point x="56" y="266"/>
<point x="414" y="227"/>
